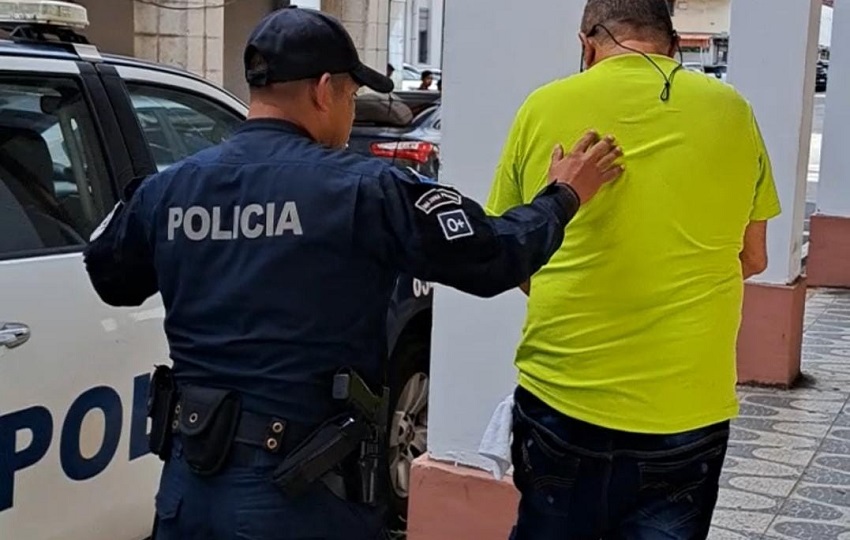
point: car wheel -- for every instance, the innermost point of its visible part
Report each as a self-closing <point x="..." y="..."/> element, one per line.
<point x="408" y="429"/>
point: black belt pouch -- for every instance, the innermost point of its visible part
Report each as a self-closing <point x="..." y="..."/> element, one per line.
<point x="207" y="425"/>
<point x="162" y="400"/>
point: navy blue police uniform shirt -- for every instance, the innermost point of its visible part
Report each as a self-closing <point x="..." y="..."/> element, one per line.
<point x="276" y="259"/>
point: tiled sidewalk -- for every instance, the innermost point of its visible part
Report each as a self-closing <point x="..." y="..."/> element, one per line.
<point x="787" y="475"/>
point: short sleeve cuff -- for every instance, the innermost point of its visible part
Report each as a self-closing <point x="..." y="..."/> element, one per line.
<point x="766" y="213"/>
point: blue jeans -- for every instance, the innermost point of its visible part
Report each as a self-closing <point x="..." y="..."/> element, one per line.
<point x="242" y="503"/>
<point x="583" y="482"/>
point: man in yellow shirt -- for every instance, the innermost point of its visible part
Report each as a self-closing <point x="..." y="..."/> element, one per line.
<point x="627" y="360"/>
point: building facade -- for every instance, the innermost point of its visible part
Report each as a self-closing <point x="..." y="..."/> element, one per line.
<point x="207" y="37"/>
<point x="703" y="26"/>
<point x="423" y="31"/>
<point x="704" y="29"/>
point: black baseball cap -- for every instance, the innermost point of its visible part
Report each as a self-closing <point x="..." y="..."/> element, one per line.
<point x="299" y="43"/>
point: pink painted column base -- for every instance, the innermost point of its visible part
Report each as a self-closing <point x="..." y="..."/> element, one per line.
<point x="458" y="503"/>
<point x="771" y="336"/>
<point x="829" y="252"/>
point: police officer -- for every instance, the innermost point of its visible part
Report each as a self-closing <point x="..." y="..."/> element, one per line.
<point x="276" y="254"/>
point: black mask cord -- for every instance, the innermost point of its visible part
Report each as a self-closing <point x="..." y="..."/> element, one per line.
<point x="668" y="79"/>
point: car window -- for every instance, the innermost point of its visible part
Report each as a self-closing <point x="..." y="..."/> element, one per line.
<point x="429" y="118"/>
<point x="178" y="124"/>
<point x="53" y="180"/>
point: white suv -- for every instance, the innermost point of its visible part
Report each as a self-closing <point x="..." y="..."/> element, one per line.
<point x="75" y="127"/>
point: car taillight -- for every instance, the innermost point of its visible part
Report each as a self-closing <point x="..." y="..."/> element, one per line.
<point x="416" y="151"/>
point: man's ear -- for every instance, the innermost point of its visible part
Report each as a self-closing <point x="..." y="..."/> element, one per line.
<point x="675" y="45"/>
<point x="588" y="50"/>
<point x="324" y="92"/>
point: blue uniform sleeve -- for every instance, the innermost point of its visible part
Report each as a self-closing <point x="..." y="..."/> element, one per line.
<point x="436" y="234"/>
<point x="119" y="258"/>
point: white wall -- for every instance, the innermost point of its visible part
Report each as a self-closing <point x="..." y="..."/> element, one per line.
<point x="834" y="185"/>
<point x="766" y="54"/>
<point x="474" y="340"/>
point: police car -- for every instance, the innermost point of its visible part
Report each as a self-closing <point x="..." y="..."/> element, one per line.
<point x="75" y="127"/>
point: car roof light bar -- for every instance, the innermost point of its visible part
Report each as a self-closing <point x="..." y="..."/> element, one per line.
<point x="53" y="13"/>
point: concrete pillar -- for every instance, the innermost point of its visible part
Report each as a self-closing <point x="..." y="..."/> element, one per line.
<point x="368" y="23"/>
<point x="240" y="18"/>
<point x="829" y="250"/>
<point x="474" y="340"/>
<point x="110" y="26"/>
<point x="395" y="46"/>
<point x="188" y="34"/>
<point x="774" y="46"/>
<point x="436" y="45"/>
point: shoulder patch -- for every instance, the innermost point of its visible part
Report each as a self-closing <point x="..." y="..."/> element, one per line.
<point x="437" y="198"/>
<point x="455" y="224"/>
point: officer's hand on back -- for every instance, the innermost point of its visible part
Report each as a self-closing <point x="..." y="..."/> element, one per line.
<point x="588" y="166"/>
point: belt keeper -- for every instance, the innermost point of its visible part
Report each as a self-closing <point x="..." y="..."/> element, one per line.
<point x="274" y="435"/>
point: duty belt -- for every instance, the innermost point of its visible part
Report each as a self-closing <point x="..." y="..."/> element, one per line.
<point x="255" y="432"/>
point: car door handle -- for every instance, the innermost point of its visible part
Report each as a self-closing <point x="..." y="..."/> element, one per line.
<point x="13" y="334"/>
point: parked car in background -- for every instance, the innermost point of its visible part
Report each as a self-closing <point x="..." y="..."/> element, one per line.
<point x="403" y="128"/>
<point x="717" y="70"/>
<point x="821" y="76"/>
<point x="713" y="70"/>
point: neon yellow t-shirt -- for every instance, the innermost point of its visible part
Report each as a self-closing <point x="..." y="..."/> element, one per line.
<point x="633" y="323"/>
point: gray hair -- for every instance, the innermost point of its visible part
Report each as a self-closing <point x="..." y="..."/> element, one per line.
<point x="646" y="17"/>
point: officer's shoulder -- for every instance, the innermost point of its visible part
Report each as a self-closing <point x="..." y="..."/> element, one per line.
<point x="152" y="182"/>
<point x="379" y="168"/>
<point x="152" y="186"/>
<point x="352" y="163"/>
<point x="368" y="169"/>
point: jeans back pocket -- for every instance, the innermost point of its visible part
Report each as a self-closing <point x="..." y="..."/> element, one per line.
<point x="681" y="491"/>
<point x="545" y="469"/>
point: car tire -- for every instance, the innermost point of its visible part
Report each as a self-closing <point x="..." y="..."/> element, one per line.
<point x="409" y="376"/>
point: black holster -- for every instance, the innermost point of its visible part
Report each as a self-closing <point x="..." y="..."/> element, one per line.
<point x="372" y="469"/>
<point x="369" y="472"/>
<point x="321" y="453"/>
<point x="207" y="420"/>
<point x="162" y="401"/>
